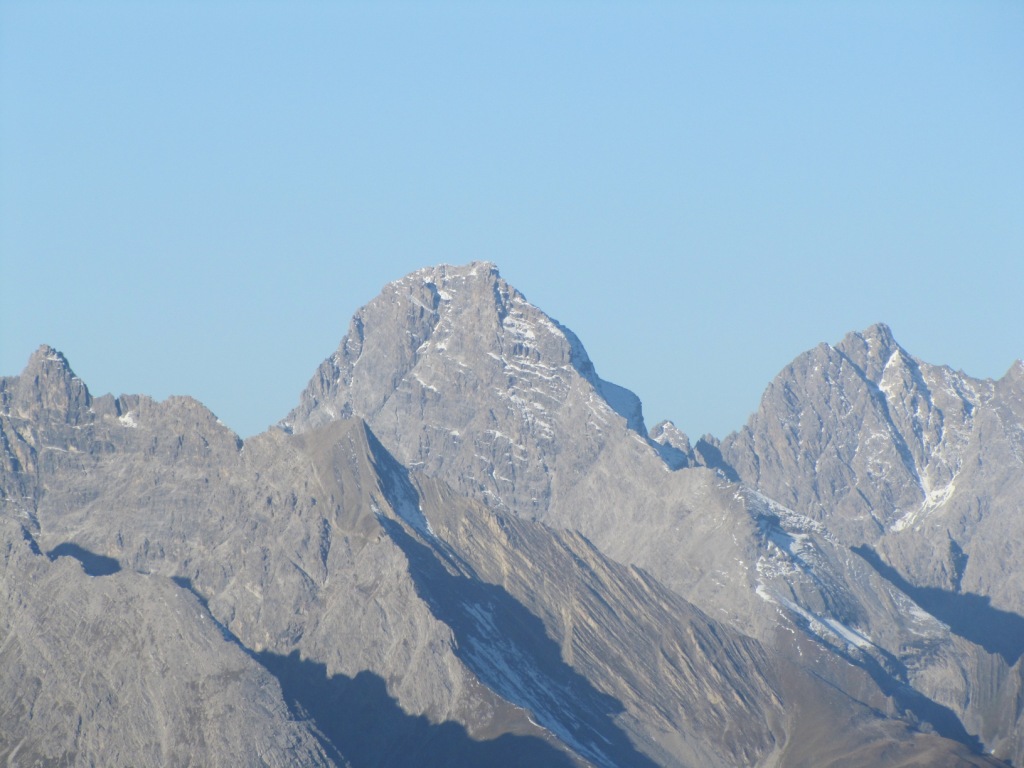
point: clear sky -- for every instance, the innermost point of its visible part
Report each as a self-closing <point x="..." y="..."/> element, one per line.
<point x="196" y="196"/>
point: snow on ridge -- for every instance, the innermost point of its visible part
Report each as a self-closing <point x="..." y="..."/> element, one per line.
<point x="403" y="500"/>
<point x="884" y="385"/>
<point x="128" y="420"/>
<point x="932" y="501"/>
<point x="820" y="626"/>
<point x="789" y="519"/>
<point x="788" y="530"/>
<point x="511" y="672"/>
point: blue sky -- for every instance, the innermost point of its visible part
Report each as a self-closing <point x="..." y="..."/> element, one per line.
<point x="196" y="196"/>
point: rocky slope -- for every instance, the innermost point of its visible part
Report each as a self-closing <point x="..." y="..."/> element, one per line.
<point x="712" y="531"/>
<point x="464" y="545"/>
<point x="918" y="470"/>
<point x="124" y="669"/>
<point x="392" y="612"/>
<point x="280" y="538"/>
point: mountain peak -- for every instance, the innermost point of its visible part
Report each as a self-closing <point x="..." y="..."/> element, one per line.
<point x="871" y="349"/>
<point x="445" y="272"/>
<point x="1015" y="371"/>
<point x="453" y="350"/>
<point x="445" y="280"/>
<point x="673" y="444"/>
<point x="880" y="333"/>
<point x="48" y="360"/>
<point x="48" y="384"/>
<point x="468" y="316"/>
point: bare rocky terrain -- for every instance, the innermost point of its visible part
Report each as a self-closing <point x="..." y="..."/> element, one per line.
<point x="464" y="547"/>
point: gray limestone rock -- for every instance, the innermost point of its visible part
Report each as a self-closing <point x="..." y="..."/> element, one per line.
<point x="919" y="471"/>
<point x="485" y="391"/>
<point x="462" y="378"/>
<point x="464" y="545"/>
<point x="117" y="668"/>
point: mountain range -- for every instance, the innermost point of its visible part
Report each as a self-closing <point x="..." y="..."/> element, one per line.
<point x="464" y="547"/>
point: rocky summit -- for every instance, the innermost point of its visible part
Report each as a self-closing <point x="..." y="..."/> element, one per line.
<point x="463" y="547"/>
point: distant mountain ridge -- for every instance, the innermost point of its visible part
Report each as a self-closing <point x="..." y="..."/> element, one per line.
<point x="464" y="547"/>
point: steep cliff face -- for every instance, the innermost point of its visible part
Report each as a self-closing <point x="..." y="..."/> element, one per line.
<point x="879" y="443"/>
<point x="918" y="470"/>
<point x="462" y="378"/>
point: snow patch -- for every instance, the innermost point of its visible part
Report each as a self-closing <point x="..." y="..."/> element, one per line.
<point x="938" y="497"/>
<point x="127" y="420"/>
<point x="822" y="626"/>
<point x="920" y="614"/>
<point x="932" y="501"/>
<point x="403" y="500"/>
<point x="424" y="385"/>
<point x="503" y="666"/>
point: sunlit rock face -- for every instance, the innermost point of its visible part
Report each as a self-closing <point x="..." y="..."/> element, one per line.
<point x="461" y="377"/>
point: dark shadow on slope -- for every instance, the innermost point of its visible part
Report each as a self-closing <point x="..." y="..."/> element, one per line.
<point x="508" y="649"/>
<point x="298" y="711"/>
<point x="971" y="616"/>
<point x="92" y="564"/>
<point x="673" y="457"/>
<point x="366" y="726"/>
<point x="710" y="453"/>
<point x="941" y="718"/>
<point x="359" y="724"/>
<point x="186" y="584"/>
<point x="497" y="637"/>
<point x="33" y="545"/>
